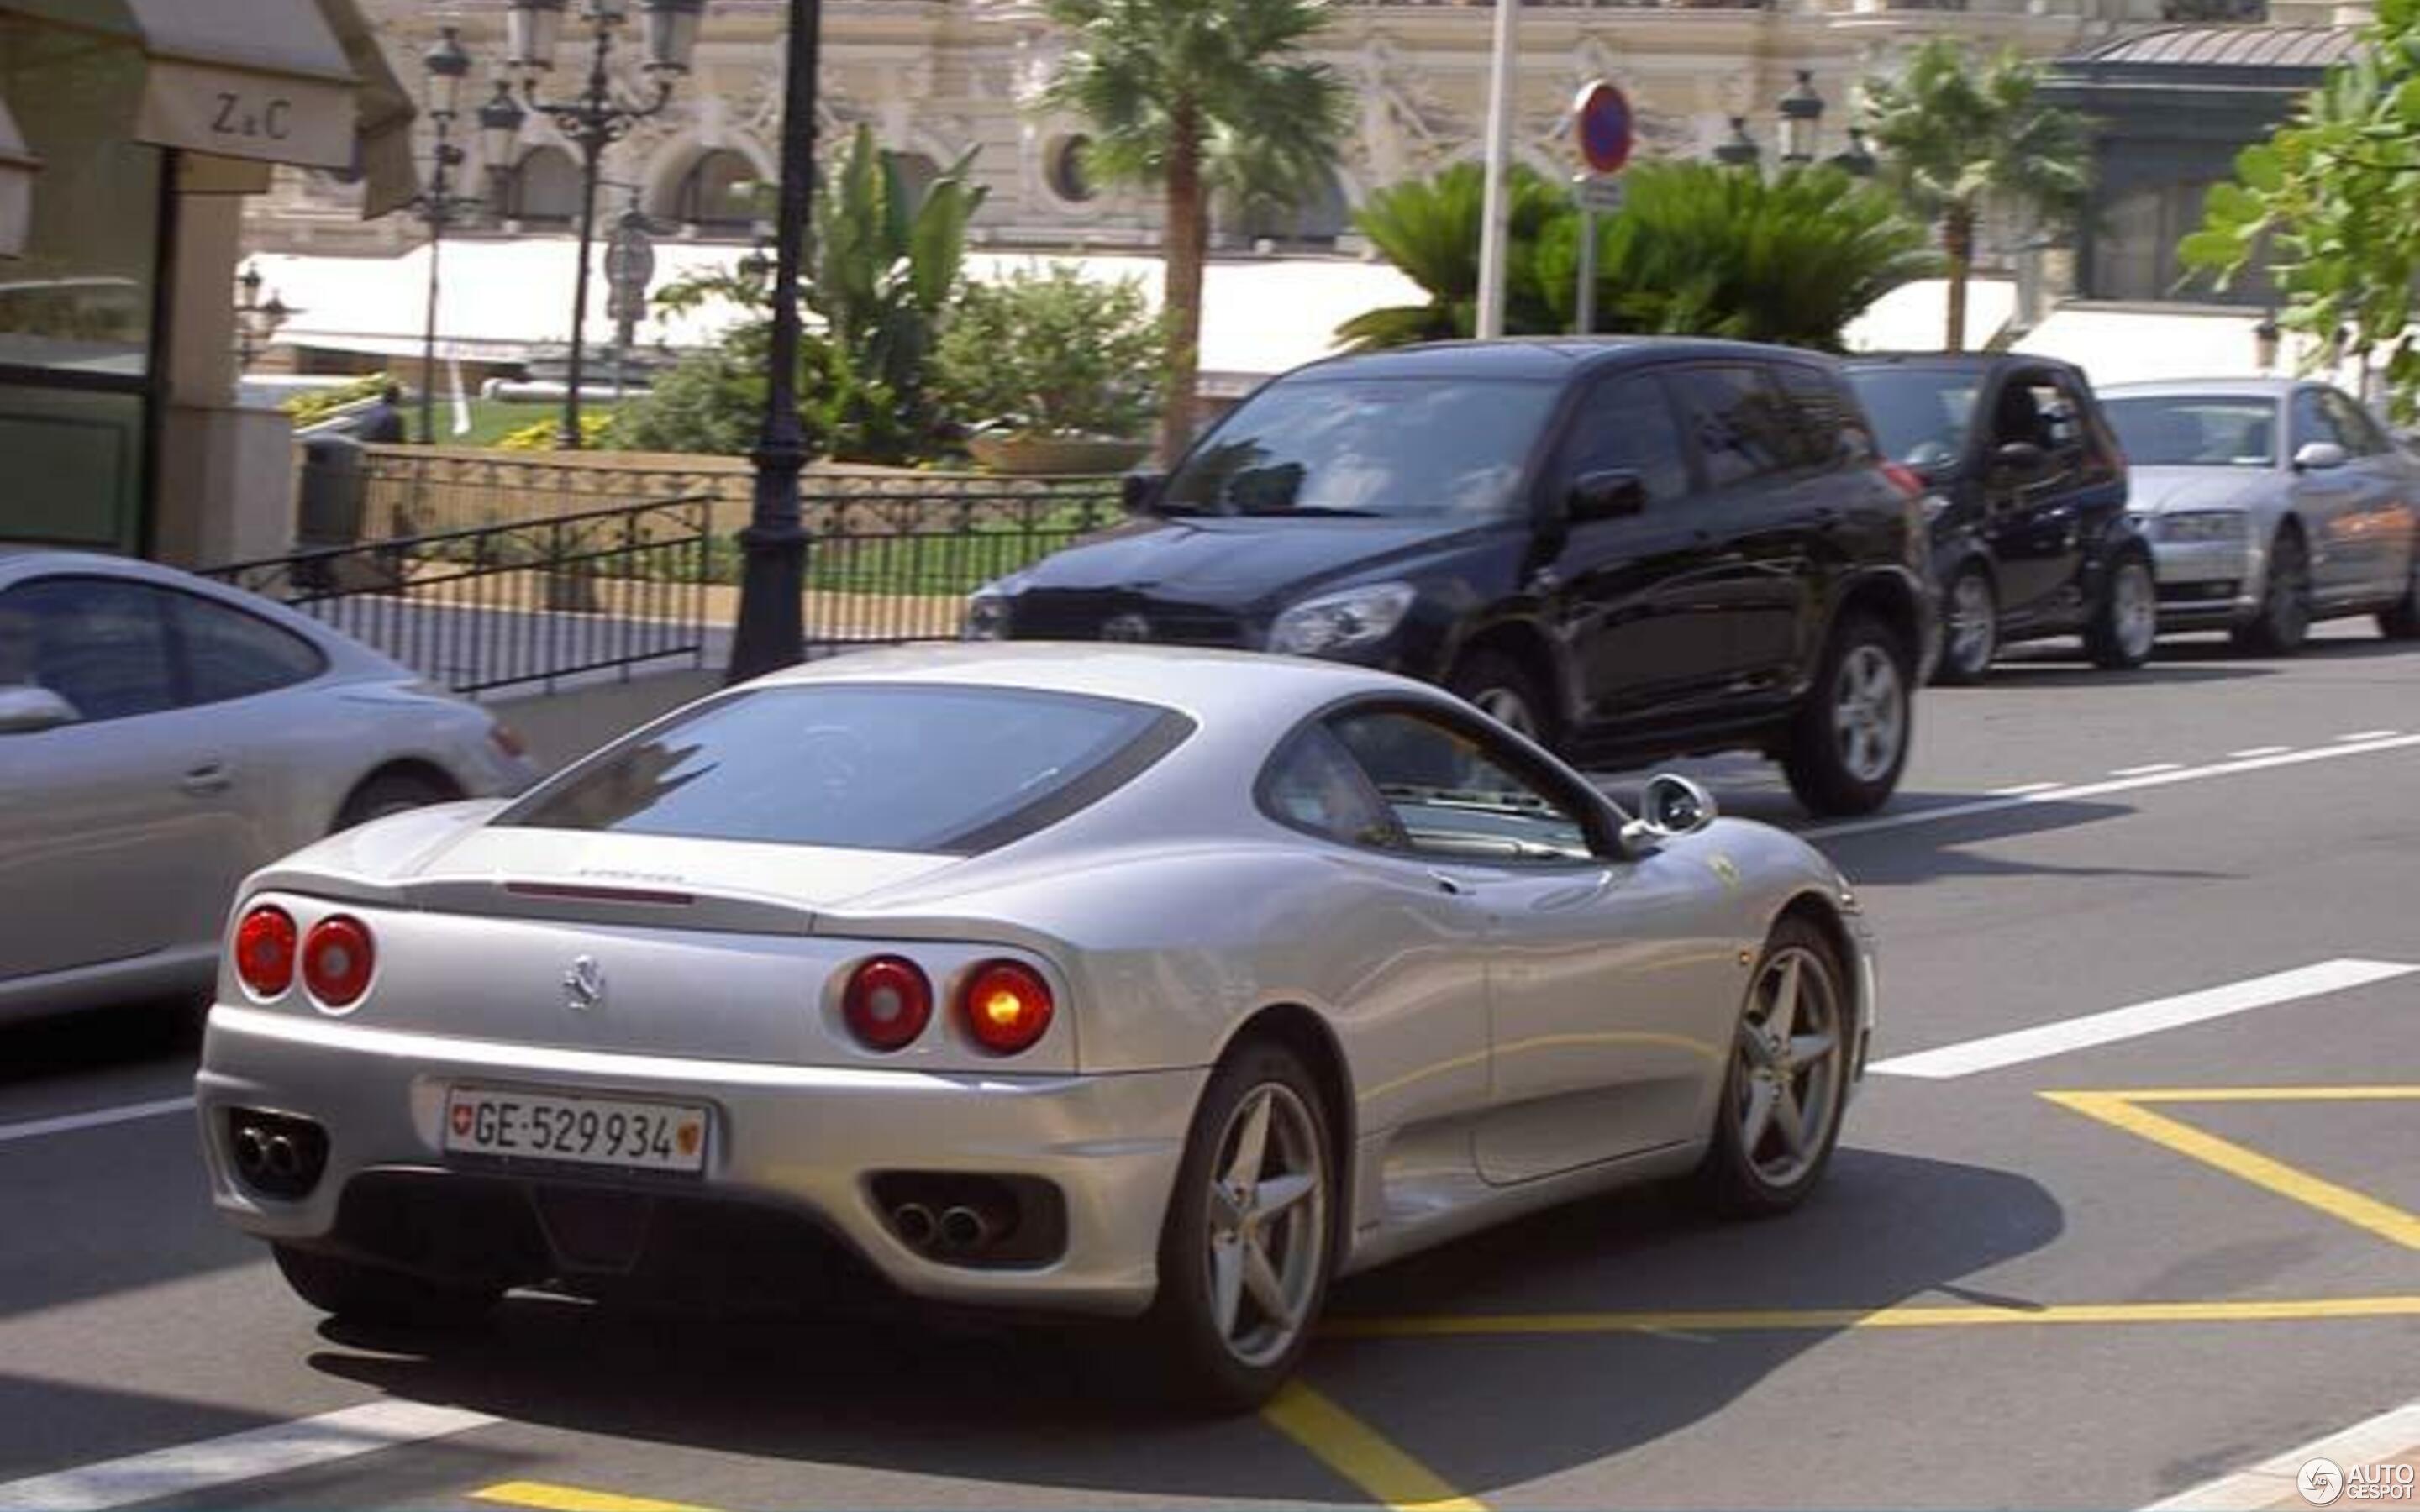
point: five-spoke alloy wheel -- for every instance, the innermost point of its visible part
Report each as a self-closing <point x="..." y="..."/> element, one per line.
<point x="1788" y="1085"/>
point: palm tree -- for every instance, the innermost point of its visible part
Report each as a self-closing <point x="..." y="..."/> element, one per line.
<point x="1171" y="88"/>
<point x="1954" y="141"/>
<point x="1429" y="230"/>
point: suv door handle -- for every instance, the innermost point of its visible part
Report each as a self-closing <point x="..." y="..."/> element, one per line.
<point x="207" y="778"/>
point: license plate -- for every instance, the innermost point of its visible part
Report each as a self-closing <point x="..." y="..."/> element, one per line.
<point x="586" y="1130"/>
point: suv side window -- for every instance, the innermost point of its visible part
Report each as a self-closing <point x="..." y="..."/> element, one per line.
<point x="1625" y="423"/>
<point x="1741" y="422"/>
<point x="1831" y="430"/>
<point x="1314" y="785"/>
<point x="1455" y="797"/>
<point x="232" y="654"/>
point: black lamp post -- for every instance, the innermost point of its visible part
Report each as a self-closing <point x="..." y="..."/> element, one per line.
<point x="446" y="65"/>
<point x="1802" y="115"/>
<point x="1739" y="150"/>
<point x="596" y="117"/>
<point x="771" y="625"/>
<point x="1855" y="159"/>
<point x="255" y="319"/>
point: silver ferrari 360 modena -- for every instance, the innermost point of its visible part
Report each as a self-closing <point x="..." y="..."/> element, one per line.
<point x="1131" y="981"/>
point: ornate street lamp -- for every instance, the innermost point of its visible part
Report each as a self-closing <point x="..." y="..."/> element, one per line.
<point x="1855" y="159"/>
<point x="1802" y="114"/>
<point x="596" y="117"/>
<point x="256" y="320"/>
<point x="445" y="66"/>
<point x="2264" y="343"/>
<point x="1740" y="150"/>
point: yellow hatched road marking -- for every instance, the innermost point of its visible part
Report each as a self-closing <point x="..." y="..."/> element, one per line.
<point x="2120" y="1111"/>
<point x="1360" y="1454"/>
<point x="549" y="1498"/>
<point x="2258" y="1094"/>
<point x="1903" y="1315"/>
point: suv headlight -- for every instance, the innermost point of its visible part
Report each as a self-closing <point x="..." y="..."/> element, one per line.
<point x="2205" y="525"/>
<point x="987" y="618"/>
<point x="1342" y="621"/>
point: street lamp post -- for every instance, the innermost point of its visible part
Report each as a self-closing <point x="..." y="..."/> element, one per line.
<point x="1739" y="149"/>
<point x="771" y="627"/>
<point x="1802" y="117"/>
<point x="596" y="117"/>
<point x="255" y="319"/>
<point x="1802" y="114"/>
<point x="446" y="66"/>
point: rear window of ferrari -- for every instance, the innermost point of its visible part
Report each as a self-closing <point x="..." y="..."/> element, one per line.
<point x="932" y="769"/>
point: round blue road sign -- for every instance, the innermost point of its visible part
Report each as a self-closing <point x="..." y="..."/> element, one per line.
<point x="1601" y="120"/>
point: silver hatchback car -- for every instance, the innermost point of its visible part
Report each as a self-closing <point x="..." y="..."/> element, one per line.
<point x="161" y="736"/>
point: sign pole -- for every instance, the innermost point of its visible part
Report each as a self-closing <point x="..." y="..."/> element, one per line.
<point x="1586" y="301"/>
<point x="1603" y="129"/>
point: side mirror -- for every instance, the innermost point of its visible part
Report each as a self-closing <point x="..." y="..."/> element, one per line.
<point x="2020" y="462"/>
<point x="1138" y="491"/>
<point x="1607" y="495"/>
<point x="1670" y="808"/>
<point x="25" y="710"/>
<point x="2319" y="456"/>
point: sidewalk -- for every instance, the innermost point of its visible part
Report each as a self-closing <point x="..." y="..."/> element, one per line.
<point x="2376" y="1464"/>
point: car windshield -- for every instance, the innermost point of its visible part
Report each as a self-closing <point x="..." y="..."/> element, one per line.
<point x="2197" y="430"/>
<point x="935" y="769"/>
<point x="1921" y="415"/>
<point x="1406" y="448"/>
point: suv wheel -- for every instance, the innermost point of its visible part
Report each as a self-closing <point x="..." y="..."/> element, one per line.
<point x="1848" y="742"/>
<point x="2127" y="625"/>
<point x="1971" y="631"/>
<point x="1501" y="688"/>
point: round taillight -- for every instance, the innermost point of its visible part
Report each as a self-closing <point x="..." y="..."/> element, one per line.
<point x="887" y="1003"/>
<point x="264" y="951"/>
<point x="1007" y="1005"/>
<point x="337" y="960"/>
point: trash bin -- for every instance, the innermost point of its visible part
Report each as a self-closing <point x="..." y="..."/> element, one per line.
<point x="329" y="514"/>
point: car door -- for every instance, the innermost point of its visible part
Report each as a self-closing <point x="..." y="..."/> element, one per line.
<point x="2328" y="500"/>
<point x="117" y="841"/>
<point x="2373" y="540"/>
<point x="1607" y="1011"/>
<point x="250" y="679"/>
<point x="2038" y="521"/>
<point x="1636" y="597"/>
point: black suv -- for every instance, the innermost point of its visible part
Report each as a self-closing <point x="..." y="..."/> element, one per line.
<point x="2028" y="504"/>
<point x="1627" y="549"/>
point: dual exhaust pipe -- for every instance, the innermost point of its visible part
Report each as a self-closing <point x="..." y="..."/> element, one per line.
<point x="959" y="1228"/>
<point x="276" y="1154"/>
<point x="258" y="1154"/>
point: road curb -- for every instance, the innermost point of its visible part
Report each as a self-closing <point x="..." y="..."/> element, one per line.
<point x="2390" y="1437"/>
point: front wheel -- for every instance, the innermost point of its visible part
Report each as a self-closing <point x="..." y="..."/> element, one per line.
<point x="1501" y="688"/>
<point x="2285" y="620"/>
<point x="1249" y="1242"/>
<point x="1849" y="741"/>
<point x="1779" y="1114"/>
<point x="2127" y="625"/>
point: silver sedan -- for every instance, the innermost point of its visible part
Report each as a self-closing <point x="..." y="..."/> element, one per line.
<point x="2271" y="504"/>
<point x="159" y="737"/>
<point x="1126" y="981"/>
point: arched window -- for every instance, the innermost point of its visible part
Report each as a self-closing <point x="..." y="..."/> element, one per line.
<point x="545" y="189"/>
<point x="714" y="197"/>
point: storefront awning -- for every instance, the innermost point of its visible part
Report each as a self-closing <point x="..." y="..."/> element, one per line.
<point x="298" y="82"/>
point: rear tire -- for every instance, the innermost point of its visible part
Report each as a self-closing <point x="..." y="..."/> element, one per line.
<point x="1222" y="1253"/>
<point x="2285" y="620"/>
<point x="391" y="793"/>
<point x="1783" y="1080"/>
<point x="1503" y="688"/>
<point x="357" y="1293"/>
<point x="2401" y="620"/>
<point x="1849" y="741"/>
<point x="1970" y="637"/>
<point x="2126" y="625"/>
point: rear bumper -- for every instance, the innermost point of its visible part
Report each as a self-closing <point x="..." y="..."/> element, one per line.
<point x="801" y="1143"/>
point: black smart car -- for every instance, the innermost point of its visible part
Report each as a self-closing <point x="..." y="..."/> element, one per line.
<point x="2030" y="533"/>
<point x="1627" y="549"/>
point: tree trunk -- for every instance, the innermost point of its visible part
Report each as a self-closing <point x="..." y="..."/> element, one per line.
<point x="1185" y="243"/>
<point x="1958" y="246"/>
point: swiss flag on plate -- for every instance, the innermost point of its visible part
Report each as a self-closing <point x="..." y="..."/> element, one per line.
<point x="461" y="1117"/>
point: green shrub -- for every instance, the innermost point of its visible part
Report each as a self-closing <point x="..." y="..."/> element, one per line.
<point x="1052" y="352"/>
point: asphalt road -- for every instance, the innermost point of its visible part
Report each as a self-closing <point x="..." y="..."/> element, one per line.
<point x="2003" y="1298"/>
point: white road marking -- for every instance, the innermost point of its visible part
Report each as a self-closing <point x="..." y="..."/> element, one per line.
<point x="2369" y="734"/>
<point x="2272" y="1480"/>
<point x="1995" y="1051"/>
<point x="2148" y="771"/>
<point x="2258" y="752"/>
<point x="96" y="1119"/>
<point x="274" y="1450"/>
<point x="2096" y="790"/>
<point x="2021" y="789"/>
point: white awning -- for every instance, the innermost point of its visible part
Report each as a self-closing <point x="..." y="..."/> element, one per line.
<point x="1915" y="317"/>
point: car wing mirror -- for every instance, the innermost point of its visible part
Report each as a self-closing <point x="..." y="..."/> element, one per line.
<point x="2020" y="462"/>
<point x="1138" y="491"/>
<point x="2319" y="456"/>
<point x="1609" y="493"/>
<point x="1671" y="807"/>
<point x="25" y="710"/>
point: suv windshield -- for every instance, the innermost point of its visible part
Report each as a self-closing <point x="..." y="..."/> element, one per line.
<point x="2195" y="431"/>
<point x="1921" y="415"/>
<point x="933" y="769"/>
<point x="1400" y="447"/>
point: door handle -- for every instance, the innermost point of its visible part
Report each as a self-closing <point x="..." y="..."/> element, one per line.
<point x="207" y="778"/>
<point x="1446" y="884"/>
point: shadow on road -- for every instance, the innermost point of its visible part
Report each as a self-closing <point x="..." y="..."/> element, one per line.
<point x="1056" y="1408"/>
<point x="1885" y="857"/>
<point x="163" y="1030"/>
